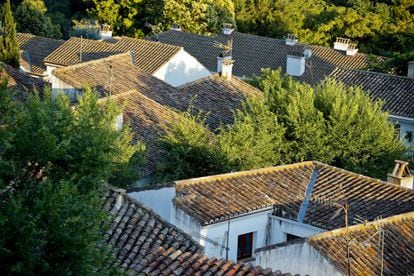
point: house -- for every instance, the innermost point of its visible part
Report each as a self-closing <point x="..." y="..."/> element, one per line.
<point x="307" y="63"/>
<point x="33" y="51"/>
<point x="169" y="63"/>
<point x="246" y="210"/>
<point x="150" y="104"/>
<point x="396" y="92"/>
<point x="381" y="247"/>
<point x="253" y="53"/>
<point x="145" y="244"/>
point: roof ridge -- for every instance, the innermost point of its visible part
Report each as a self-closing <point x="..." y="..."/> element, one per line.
<point x="340" y="231"/>
<point x="181" y="183"/>
<point x="148" y="42"/>
<point x="358" y="175"/>
<point x="338" y="68"/>
<point x="95" y="61"/>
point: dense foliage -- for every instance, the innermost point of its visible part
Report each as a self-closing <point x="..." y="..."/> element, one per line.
<point x="31" y="18"/>
<point x="293" y="122"/>
<point x="54" y="163"/>
<point x="9" y="48"/>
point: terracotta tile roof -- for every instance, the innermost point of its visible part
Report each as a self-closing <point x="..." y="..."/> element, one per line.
<point x="252" y="53"/>
<point x="34" y="50"/>
<point x="286" y="189"/>
<point x="145" y="244"/>
<point x="216" y="97"/>
<point x="114" y="75"/>
<point x="69" y="53"/>
<point x="212" y="94"/>
<point x="147" y="119"/>
<point x="365" y="246"/>
<point x="19" y="81"/>
<point x="137" y="232"/>
<point x="148" y="55"/>
<point x="396" y="92"/>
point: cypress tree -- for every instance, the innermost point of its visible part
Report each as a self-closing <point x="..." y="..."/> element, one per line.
<point x="9" y="49"/>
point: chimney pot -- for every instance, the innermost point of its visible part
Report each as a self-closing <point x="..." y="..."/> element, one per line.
<point x="175" y="27"/>
<point x="106" y="32"/>
<point x="227" y="69"/>
<point x="227" y="28"/>
<point x="410" y="71"/>
<point x="401" y="175"/>
<point x="291" y="40"/>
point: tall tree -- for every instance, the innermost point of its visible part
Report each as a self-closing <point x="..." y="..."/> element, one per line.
<point x="9" y="48"/>
<point x="54" y="166"/>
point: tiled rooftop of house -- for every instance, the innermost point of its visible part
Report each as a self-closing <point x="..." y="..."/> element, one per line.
<point x="147" y="119"/>
<point x="252" y="53"/>
<point x="19" y="81"/>
<point x="365" y="246"/>
<point x="145" y="244"/>
<point x="34" y="50"/>
<point x="217" y="96"/>
<point x="116" y="74"/>
<point x="215" y="198"/>
<point x="396" y="92"/>
<point x="148" y="56"/>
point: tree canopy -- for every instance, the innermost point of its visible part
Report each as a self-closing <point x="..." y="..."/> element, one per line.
<point x="31" y="18"/>
<point x="55" y="162"/>
<point x="9" y="48"/>
<point x="292" y="122"/>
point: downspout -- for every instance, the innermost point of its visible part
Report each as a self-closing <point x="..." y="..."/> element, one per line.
<point x="227" y="240"/>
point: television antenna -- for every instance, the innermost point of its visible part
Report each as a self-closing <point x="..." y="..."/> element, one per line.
<point x="226" y="49"/>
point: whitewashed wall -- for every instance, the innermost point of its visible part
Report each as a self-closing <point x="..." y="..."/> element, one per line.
<point x="159" y="200"/>
<point x="255" y="223"/>
<point x="296" y="258"/>
<point x="281" y="227"/>
<point x="406" y="124"/>
<point x="181" y="69"/>
<point x="59" y="86"/>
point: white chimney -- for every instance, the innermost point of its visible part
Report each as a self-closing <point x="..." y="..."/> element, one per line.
<point x="106" y="32"/>
<point x="227" y="69"/>
<point x="175" y="27"/>
<point x="401" y="175"/>
<point x="119" y="200"/>
<point x="341" y="44"/>
<point x="227" y="28"/>
<point x="410" y="71"/>
<point x="220" y="60"/>
<point x="295" y="63"/>
<point x="352" y="49"/>
<point x="291" y="40"/>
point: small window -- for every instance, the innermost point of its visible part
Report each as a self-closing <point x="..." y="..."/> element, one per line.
<point x="409" y="136"/>
<point x="290" y="237"/>
<point x="245" y="246"/>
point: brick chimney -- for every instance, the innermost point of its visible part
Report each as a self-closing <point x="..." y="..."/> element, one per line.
<point x="401" y="175"/>
<point x="410" y="71"/>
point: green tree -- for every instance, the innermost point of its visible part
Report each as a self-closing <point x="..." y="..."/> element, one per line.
<point x="32" y="18"/>
<point x="192" y="149"/>
<point x="255" y="140"/>
<point x="9" y="48"/>
<point x="54" y="163"/>
<point x="293" y="122"/>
